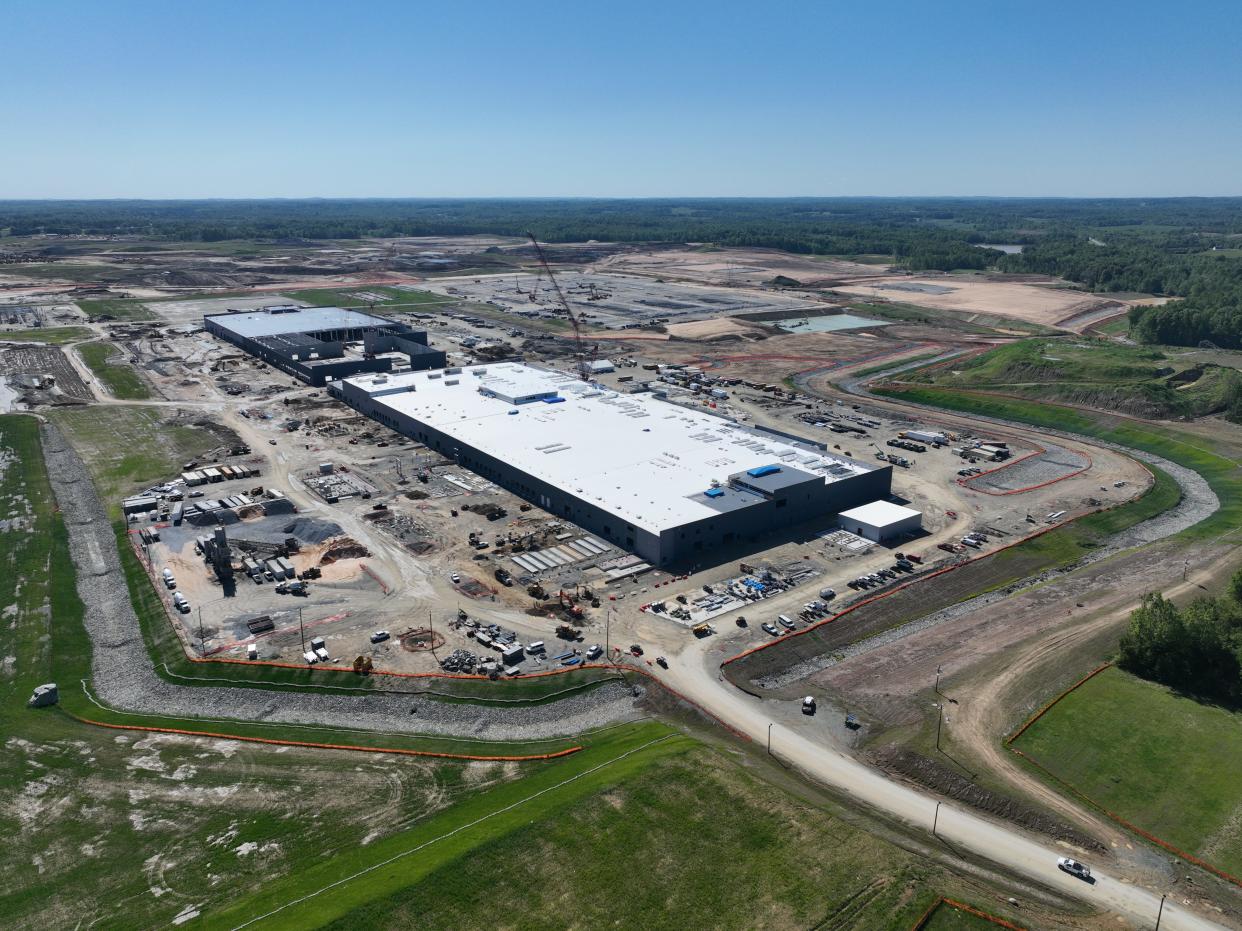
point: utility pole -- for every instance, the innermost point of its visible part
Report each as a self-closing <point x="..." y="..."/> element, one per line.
<point x="608" y="633"/>
<point x="936" y="819"/>
<point x="1160" y="914"/>
<point x="769" y="738"/>
<point x="301" y="629"/>
<point x="936" y="688"/>
<point x="939" y="721"/>
<point x="202" y="644"/>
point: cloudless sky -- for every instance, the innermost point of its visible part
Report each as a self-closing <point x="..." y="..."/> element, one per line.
<point x="268" y="98"/>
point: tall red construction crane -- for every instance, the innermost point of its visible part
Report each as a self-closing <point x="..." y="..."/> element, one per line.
<point x="584" y="358"/>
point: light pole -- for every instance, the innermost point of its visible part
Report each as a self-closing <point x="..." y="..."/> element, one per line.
<point x="301" y="629"/>
<point x="936" y="687"/>
<point x="769" y="738"/>
<point x="935" y="819"/>
<point x="1160" y="914"/>
<point x="939" y="721"/>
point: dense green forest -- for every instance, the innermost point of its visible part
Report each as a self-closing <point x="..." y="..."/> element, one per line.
<point x="1188" y="248"/>
<point x="1196" y="649"/>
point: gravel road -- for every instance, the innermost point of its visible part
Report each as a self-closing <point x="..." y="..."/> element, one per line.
<point x="124" y="678"/>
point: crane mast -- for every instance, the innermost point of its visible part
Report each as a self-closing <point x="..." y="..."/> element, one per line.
<point x="584" y="363"/>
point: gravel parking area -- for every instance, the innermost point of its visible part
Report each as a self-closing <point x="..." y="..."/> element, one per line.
<point x="1052" y="465"/>
<point x="124" y="677"/>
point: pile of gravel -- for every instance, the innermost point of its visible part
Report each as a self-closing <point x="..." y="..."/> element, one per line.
<point x="124" y="678"/>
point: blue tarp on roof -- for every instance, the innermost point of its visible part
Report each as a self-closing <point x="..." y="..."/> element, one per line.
<point x="762" y="471"/>
<point x="553" y="400"/>
<point x="714" y="492"/>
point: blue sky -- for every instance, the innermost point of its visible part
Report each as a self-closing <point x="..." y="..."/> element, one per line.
<point x="283" y="99"/>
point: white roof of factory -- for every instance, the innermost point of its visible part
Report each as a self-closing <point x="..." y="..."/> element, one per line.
<point x="257" y="323"/>
<point x="880" y="514"/>
<point x="635" y="456"/>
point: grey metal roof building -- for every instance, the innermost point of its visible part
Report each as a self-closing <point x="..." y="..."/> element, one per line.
<point x="310" y="343"/>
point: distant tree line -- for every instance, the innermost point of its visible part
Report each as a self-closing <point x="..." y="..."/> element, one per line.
<point x="1196" y="649"/>
<point x="1160" y="246"/>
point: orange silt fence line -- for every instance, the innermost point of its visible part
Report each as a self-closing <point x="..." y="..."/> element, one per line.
<point x="516" y="758"/>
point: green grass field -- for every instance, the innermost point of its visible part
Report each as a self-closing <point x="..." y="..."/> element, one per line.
<point x="120" y="378"/>
<point x="1165" y="763"/>
<point x="54" y="335"/>
<point x="1223" y="474"/>
<point x="118" y="308"/>
<point x="638" y="846"/>
<point x="128" y="446"/>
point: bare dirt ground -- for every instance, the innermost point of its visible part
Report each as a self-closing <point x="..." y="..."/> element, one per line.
<point x="715" y="329"/>
<point x="739" y="267"/>
<point x="1030" y="302"/>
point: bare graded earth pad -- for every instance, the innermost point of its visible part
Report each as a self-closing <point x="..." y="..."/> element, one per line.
<point x="1031" y="303"/>
<point x="720" y="328"/>
<point x="739" y="267"/>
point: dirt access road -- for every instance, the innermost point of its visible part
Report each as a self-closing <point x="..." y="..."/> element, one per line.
<point x="955" y="827"/>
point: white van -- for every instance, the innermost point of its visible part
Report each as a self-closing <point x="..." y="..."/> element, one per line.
<point x="535" y="647"/>
<point x="786" y="622"/>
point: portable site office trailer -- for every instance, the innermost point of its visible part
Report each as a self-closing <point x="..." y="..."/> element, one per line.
<point x="178" y="512"/>
<point x="193" y="478"/>
<point x="286" y="567"/>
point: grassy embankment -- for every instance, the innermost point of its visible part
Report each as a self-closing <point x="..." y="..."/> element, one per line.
<point x="120" y="378"/>
<point x="1171" y="769"/>
<point x="1096" y="373"/>
<point x="53" y="335"/>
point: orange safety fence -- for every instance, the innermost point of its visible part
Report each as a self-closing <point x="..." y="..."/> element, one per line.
<point x="518" y="758"/>
<point x="1049" y="705"/>
<point x="966" y="482"/>
<point x="1129" y="826"/>
<point x="953" y="903"/>
<point x="1113" y="816"/>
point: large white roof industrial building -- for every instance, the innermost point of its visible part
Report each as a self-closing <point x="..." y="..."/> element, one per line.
<point x="657" y="478"/>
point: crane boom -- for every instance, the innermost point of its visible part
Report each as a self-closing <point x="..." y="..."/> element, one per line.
<point x="584" y="367"/>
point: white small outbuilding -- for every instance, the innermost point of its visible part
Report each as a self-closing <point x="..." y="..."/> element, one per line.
<point x="601" y="366"/>
<point x="881" y="521"/>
